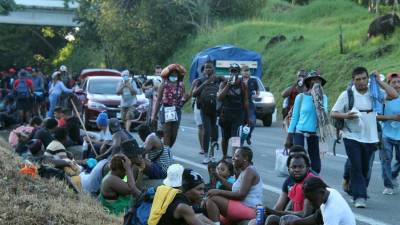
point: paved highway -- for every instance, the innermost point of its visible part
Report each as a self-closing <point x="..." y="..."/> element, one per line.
<point x="381" y="209"/>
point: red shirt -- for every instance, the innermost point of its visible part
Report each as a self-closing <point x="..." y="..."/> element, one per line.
<point x="29" y="83"/>
<point x="61" y="122"/>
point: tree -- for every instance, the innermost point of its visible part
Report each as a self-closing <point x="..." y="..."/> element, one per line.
<point x="6" y="6"/>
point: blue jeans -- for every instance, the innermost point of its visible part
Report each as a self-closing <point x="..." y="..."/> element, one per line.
<point x="313" y="149"/>
<point x="386" y="156"/>
<point x="210" y="129"/>
<point x="53" y="100"/>
<point x="359" y="155"/>
<point x="396" y="166"/>
<point x="347" y="168"/>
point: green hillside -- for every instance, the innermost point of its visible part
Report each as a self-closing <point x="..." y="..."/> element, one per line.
<point x="319" y="23"/>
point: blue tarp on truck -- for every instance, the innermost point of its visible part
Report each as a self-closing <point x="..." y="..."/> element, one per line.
<point x="224" y="52"/>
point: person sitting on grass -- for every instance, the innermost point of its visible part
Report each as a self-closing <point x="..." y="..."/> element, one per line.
<point x="44" y="133"/>
<point x="57" y="150"/>
<point x="104" y="137"/>
<point x="158" y="158"/>
<point x="115" y="194"/>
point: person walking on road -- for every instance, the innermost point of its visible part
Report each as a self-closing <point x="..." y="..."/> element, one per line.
<point x="205" y="91"/>
<point x="127" y="89"/>
<point x="235" y="106"/>
<point x="391" y="135"/>
<point x="304" y="123"/>
<point x="291" y="92"/>
<point x="253" y="92"/>
<point x="170" y="100"/>
<point x="360" y="134"/>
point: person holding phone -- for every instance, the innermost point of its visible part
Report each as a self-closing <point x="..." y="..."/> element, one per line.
<point x="235" y="106"/>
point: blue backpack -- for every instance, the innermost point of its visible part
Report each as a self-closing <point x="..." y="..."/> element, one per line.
<point x="22" y="90"/>
<point x="139" y="213"/>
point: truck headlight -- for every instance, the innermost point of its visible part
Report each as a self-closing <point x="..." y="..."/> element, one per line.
<point x="96" y="105"/>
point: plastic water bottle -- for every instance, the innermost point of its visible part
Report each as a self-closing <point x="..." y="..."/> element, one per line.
<point x="85" y="146"/>
<point x="244" y="133"/>
<point x="259" y="215"/>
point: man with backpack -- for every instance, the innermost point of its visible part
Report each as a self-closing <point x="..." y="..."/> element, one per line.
<point x="235" y="106"/>
<point x="205" y="91"/>
<point x="23" y="89"/>
<point x="360" y="133"/>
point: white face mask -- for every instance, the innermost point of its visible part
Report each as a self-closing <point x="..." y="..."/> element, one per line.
<point x="125" y="78"/>
<point x="173" y="79"/>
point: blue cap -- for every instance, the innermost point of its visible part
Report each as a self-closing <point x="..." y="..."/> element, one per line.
<point x="102" y="119"/>
<point x="91" y="163"/>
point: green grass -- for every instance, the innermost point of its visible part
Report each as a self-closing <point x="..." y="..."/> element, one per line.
<point x="319" y="23"/>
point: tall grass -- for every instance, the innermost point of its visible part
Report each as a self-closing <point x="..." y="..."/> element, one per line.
<point x="319" y="24"/>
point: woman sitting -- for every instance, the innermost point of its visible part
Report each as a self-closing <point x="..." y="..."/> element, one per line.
<point x="115" y="193"/>
<point x="240" y="203"/>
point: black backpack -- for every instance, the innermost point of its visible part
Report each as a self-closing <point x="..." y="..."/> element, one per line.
<point x="208" y="96"/>
<point x="339" y="124"/>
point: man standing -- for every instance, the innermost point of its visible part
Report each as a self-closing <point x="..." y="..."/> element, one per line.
<point x="390" y="134"/>
<point x="291" y="92"/>
<point x="205" y="91"/>
<point x="23" y="89"/>
<point x="235" y="106"/>
<point x="253" y="91"/>
<point x="360" y="134"/>
<point x="128" y="90"/>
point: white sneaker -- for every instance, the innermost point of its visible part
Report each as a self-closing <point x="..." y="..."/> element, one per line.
<point x="206" y="160"/>
<point x="360" y="203"/>
<point x="388" y="191"/>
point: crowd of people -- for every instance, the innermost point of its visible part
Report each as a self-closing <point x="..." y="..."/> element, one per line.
<point x="112" y="166"/>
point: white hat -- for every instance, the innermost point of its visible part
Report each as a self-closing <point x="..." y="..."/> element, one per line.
<point x="174" y="176"/>
<point x="125" y="73"/>
<point x="55" y="74"/>
<point x="63" y="68"/>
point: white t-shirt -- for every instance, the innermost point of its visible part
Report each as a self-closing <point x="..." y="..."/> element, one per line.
<point x="336" y="211"/>
<point x="363" y="129"/>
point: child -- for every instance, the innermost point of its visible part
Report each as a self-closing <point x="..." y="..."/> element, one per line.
<point x="224" y="175"/>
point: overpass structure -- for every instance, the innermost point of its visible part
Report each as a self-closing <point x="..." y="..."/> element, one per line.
<point x="42" y="12"/>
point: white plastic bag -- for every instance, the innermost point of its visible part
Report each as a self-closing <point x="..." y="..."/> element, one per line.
<point x="281" y="156"/>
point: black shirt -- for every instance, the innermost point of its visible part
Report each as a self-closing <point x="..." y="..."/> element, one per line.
<point x="44" y="135"/>
<point x="168" y="217"/>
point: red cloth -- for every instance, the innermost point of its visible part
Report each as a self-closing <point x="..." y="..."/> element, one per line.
<point x="29" y="83"/>
<point x="61" y="122"/>
<point x="296" y="194"/>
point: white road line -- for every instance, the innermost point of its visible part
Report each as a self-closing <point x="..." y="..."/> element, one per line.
<point x="276" y="190"/>
<point x="269" y="145"/>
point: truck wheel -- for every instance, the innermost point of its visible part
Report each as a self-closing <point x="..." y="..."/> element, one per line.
<point x="267" y="120"/>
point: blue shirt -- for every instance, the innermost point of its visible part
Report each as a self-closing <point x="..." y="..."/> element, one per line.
<point x="58" y="88"/>
<point x="391" y="129"/>
<point x="219" y="185"/>
<point x="304" y="117"/>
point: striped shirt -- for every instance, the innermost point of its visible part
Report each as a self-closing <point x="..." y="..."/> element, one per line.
<point x="165" y="158"/>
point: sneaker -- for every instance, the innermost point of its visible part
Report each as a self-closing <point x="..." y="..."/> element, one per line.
<point x="388" y="191"/>
<point x="206" y="160"/>
<point x="345" y="185"/>
<point x="212" y="159"/>
<point x="360" y="203"/>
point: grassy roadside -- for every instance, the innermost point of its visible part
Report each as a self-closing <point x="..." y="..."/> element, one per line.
<point x="34" y="201"/>
<point x="319" y="24"/>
